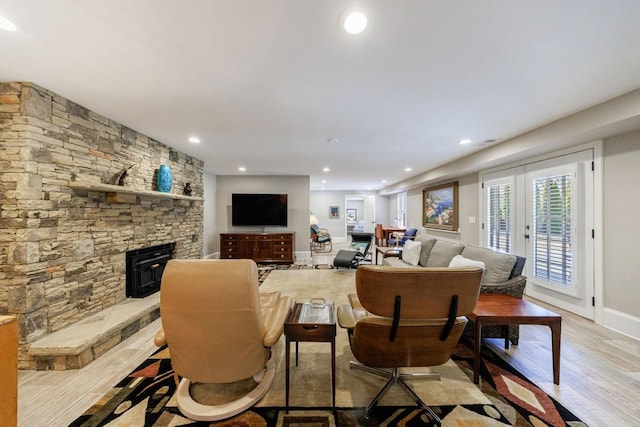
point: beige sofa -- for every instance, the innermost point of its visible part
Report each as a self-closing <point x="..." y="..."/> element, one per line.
<point x="503" y="272"/>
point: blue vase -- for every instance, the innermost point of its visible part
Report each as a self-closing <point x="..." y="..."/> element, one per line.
<point x="164" y="179"/>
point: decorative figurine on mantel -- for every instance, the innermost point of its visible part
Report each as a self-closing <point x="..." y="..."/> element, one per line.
<point x="122" y="178"/>
<point x="187" y="189"/>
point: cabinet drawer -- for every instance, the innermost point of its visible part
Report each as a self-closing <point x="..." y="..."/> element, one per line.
<point x="282" y="249"/>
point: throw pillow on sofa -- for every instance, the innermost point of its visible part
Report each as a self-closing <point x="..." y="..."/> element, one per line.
<point x="459" y="261"/>
<point x="443" y="252"/>
<point x="411" y="252"/>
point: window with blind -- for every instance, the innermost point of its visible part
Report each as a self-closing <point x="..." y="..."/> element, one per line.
<point x="552" y="225"/>
<point x="498" y="228"/>
<point x="401" y="210"/>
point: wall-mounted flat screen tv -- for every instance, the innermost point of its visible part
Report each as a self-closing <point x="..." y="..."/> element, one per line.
<point x="258" y="209"/>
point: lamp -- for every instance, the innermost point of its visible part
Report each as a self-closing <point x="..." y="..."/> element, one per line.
<point x="313" y="220"/>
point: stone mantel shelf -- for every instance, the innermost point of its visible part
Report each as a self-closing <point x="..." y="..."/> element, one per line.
<point x="117" y="189"/>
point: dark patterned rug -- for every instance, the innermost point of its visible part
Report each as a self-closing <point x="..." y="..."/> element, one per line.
<point x="144" y="398"/>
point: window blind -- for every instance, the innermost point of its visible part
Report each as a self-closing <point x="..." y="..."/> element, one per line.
<point x="499" y="217"/>
<point x="552" y="237"/>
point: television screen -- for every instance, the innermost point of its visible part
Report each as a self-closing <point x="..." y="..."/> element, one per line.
<point x="258" y="209"/>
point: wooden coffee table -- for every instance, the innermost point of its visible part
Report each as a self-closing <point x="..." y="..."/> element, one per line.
<point x="508" y="310"/>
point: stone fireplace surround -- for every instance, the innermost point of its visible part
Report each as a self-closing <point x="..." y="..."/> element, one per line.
<point x="64" y="236"/>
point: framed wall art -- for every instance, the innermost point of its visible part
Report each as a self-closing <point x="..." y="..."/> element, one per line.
<point x="352" y="214"/>
<point x="334" y="212"/>
<point x="440" y="207"/>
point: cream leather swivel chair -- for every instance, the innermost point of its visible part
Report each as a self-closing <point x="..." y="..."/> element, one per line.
<point x="407" y="317"/>
<point x="219" y="329"/>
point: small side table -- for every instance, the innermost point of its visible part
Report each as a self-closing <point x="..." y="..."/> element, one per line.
<point x="498" y="309"/>
<point x="311" y="322"/>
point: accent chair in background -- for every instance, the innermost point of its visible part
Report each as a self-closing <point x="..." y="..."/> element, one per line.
<point x="320" y="239"/>
<point x="398" y="239"/>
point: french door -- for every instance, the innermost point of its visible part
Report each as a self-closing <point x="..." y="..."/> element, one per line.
<point x="545" y="211"/>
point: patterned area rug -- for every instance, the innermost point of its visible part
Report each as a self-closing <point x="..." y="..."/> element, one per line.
<point x="146" y="398"/>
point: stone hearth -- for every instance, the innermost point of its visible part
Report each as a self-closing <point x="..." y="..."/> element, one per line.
<point x="64" y="233"/>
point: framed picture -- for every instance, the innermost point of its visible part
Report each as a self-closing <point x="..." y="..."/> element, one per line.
<point x="352" y="214"/>
<point x="440" y="207"/>
<point x="334" y="212"/>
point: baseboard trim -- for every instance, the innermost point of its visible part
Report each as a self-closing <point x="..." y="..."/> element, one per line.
<point x="621" y="322"/>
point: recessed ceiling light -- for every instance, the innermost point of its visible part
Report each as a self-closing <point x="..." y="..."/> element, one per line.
<point x="242" y="169"/>
<point x="465" y="141"/>
<point x="7" y="25"/>
<point x="194" y="140"/>
<point x="354" y="21"/>
<point x="326" y="170"/>
<point x="324" y="181"/>
<point x="408" y="169"/>
<point x="384" y="181"/>
<point x="332" y="140"/>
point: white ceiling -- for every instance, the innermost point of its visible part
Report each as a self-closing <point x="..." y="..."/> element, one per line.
<point x="265" y="84"/>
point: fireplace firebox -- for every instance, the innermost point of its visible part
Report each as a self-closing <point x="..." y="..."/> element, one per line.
<point x="144" y="269"/>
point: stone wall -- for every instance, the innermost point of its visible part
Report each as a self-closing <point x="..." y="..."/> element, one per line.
<point x="62" y="252"/>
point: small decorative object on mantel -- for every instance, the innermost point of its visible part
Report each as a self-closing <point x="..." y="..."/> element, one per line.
<point x="187" y="190"/>
<point x="122" y="178"/>
<point x="164" y="179"/>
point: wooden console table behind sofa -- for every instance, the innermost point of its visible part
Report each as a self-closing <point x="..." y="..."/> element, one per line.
<point x="260" y="247"/>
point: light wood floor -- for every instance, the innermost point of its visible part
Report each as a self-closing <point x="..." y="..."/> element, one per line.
<point x="599" y="374"/>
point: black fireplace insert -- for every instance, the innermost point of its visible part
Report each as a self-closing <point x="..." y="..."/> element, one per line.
<point x="144" y="269"/>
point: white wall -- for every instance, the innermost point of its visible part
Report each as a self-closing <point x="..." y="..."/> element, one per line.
<point x="297" y="188"/>
<point x="468" y="211"/>
<point x="622" y="224"/>
<point x="321" y="200"/>
<point x="209" y="226"/>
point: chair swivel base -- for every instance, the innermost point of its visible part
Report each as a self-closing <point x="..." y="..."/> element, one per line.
<point x="199" y="412"/>
<point x="395" y="377"/>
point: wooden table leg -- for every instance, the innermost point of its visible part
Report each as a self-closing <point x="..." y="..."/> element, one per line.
<point x="286" y="381"/>
<point x="476" y="351"/>
<point x="333" y="374"/>
<point x="555" y="349"/>
<point x="506" y="330"/>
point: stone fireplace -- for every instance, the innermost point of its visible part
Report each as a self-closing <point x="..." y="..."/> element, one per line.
<point x="65" y="229"/>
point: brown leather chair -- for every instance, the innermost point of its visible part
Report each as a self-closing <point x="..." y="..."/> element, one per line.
<point x="219" y="329"/>
<point x="407" y="317"/>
